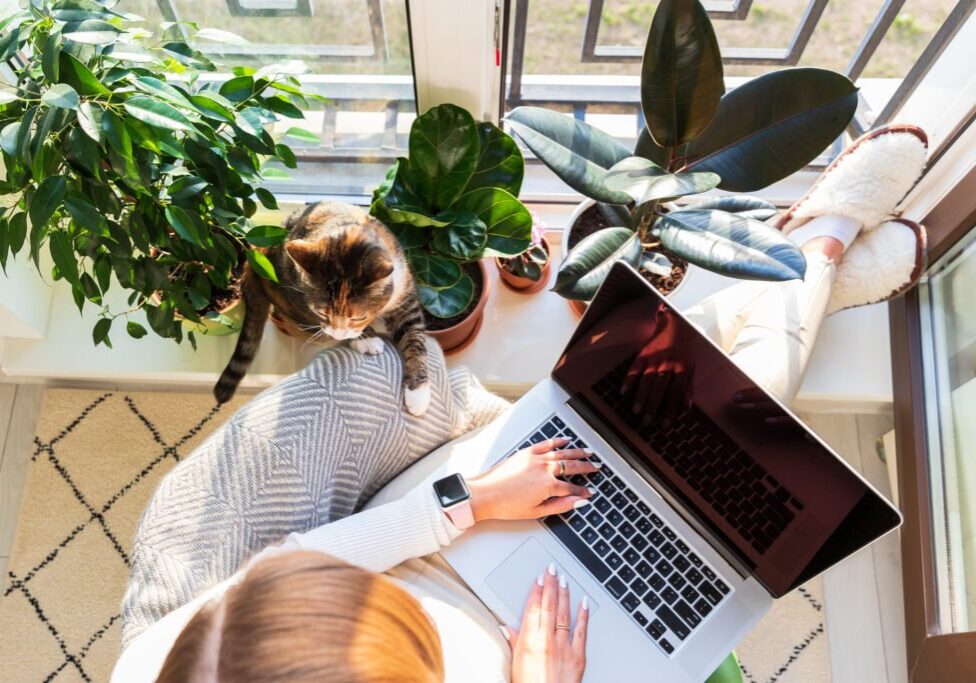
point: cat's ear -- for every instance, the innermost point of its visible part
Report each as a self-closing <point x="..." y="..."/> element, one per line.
<point x="377" y="265"/>
<point x="308" y="255"/>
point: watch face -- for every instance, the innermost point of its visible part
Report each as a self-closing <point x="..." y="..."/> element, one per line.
<point x="451" y="490"/>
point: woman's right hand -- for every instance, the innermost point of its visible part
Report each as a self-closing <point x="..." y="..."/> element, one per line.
<point x="527" y="484"/>
<point x="544" y="650"/>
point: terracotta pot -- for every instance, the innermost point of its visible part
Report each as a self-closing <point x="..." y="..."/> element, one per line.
<point x="457" y="337"/>
<point x="524" y="285"/>
<point x="579" y="307"/>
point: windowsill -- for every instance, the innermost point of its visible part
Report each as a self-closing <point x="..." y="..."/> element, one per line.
<point x="520" y="340"/>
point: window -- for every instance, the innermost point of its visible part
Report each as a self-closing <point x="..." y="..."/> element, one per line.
<point x="948" y="314"/>
<point x="583" y="57"/>
<point x="358" y="55"/>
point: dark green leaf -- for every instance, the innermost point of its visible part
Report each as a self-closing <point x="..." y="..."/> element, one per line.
<point x="103" y="271"/>
<point x="88" y="286"/>
<point x="63" y="254"/>
<point x="185" y="223"/>
<point x="80" y="77"/>
<point x="449" y="301"/>
<point x="287" y="157"/>
<point x="644" y="181"/>
<point x="135" y="330"/>
<point x="9" y="43"/>
<point x="4" y="244"/>
<point x="731" y="245"/>
<point x="463" y="240"/>
<point x="61" y="95"/>
<point x="91" y="31"/>
<point x="647" y="148"/>
<point x="157" y="113"/>
<point x="237" y="89"/>
<point x="772" y="126"/>
<point x="49" y="57"/>
<point x="574" y="150"/>
<point x="267" y="199"/>
<point x="261" y="265"/>
<point x="267" y="235"/>
<point x="585" y="267"/>
<point x="396" y="199"/>
<point x="443" y="154"/>
<point x="432" y="270"/>
<point x="280" y="105"/>
<point x="47" y="199"/>
<point x="100" y="333"/>
<point x="90" y="120"/>
<point x="508" y="223"/>
<point x="189" y="57"/>
<point x="85" y="215"/>
<point x="213" y="106"/>
<point x="162" y="90"/>
<point x="681" y="76"/>
<point x="749" y="207"/>
<point x="18" y="231"/>
<point x="500" y="162"/>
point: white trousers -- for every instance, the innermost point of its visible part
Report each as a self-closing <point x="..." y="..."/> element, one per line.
<point x="769" y="328"/>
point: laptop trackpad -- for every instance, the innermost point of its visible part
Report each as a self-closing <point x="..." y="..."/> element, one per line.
<point x="512" y="580"/>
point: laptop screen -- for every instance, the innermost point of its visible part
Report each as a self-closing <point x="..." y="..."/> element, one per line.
<point x="739" y="464"/>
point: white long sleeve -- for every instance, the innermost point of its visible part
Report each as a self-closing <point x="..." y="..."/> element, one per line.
<point x="377" y="539"/>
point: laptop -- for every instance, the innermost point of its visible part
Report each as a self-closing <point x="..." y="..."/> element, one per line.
<point x="713" y="499"/>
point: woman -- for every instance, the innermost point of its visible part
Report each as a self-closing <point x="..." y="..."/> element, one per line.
<point x="357" y="600"/>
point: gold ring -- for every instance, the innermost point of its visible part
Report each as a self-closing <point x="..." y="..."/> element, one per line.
<point x="562" y="468"/>
<point x="565" y="627"/>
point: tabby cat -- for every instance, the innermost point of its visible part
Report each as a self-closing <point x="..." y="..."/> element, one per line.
<point x="343" y="274"/>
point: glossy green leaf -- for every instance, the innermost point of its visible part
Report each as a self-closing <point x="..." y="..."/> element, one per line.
<point x="61" y="95"/>
<point x="46" y="200"/>
<point x="135" y="330"/>
<point x="100" y="332"/>
<point x="9" y="42"/>
<point x="50" y="55"/>
<point x="17" y="231"/>
<point x="433" y="270"/>
<point x="772" y="126"/>
<point x="79" y="76"/>
<point x="396" y="200"/>
<point x="161" y="89"/>
<point x="447" y="302"/>
<point x="185" y="224"/>
<point x="644" y="181"/>
<point x="85" y="215"/>
<point x="237" y="89"/>
<point x="214" y="106"/>
<point x="267" y="199"/>
<point x="574" y="150"/>
<point x="219" y="36"/>
<point x="464" y="239"/>
<point x="63" y="254"/>
<point x="91" y="290"/>
<point x="267" y="235"/>
<point x="586" y="266"/>
<point x="730" y="244"/>
<point x="4" y="244"/>
<point x="91" y="31"/>
<point x="303" y="135"/>
<point x="186" y="187"/>
<point x="90" y="120"/>
<point x="508" y="224"/>
<point x="157" y="113"/>
<point x="261" y="265"/>
<point x="727" y="672"/>
<point x="681" y="75"/>
<point x="500" y="162"/>
<point x="129" y="52"/>
<point x="749" y="207"/>
<point x="443" y="154"/>
<point x="8" y="138"/>
<point x="647" y="148"/>
<point x="287" y="156"/>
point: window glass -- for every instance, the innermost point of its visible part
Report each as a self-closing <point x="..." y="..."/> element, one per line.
<point x="948" y="298"/>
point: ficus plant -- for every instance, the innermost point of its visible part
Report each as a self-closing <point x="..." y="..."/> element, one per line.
<point x="134" y="165"/>
<point x="697" y="137"/>
<point x="452" y="201"/>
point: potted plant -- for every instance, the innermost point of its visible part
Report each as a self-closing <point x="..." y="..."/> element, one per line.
<point x="129" y="168"/>
<point x="528" y="272"/>
<point x="697" y="137"/>
<point x="452" y="202"/>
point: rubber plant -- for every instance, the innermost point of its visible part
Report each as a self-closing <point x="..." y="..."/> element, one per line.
<point x="453" y="201"/>
<point x="129" y="168"/>
<point x="697" y="137"/>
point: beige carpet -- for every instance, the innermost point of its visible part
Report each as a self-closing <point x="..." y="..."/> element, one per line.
<point x="97" y="458"/>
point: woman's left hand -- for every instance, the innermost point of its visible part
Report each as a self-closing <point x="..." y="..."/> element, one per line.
<point x="527" y="484"/>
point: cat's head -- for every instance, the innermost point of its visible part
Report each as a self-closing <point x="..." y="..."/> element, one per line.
<point x="347" y="280"/>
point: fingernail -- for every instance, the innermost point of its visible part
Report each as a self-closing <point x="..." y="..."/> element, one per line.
<point x="562" y="581"/>
<point x="582" y="503"/>
<point x="539" y="581"/>
<point x="504" y="631"/>
<point x="592" y="490"/>
<point x="588" y="451"/>
<point x="598" y="465"/>
<point x="637" y="407"/>
<point x="551" y="569"/>
<point x="586" y="603"/>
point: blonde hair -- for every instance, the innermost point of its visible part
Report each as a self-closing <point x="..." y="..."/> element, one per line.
<point x="305" y="616"/>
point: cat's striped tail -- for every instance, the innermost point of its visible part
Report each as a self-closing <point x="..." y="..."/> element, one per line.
<point x="256" y="309"/>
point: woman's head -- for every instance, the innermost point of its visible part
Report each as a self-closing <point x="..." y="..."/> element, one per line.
<point x="304" y="616"/>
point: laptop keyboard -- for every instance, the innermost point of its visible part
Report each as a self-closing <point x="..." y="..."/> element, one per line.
<point x="738" y="488"/>
<point x="645" y="566"/>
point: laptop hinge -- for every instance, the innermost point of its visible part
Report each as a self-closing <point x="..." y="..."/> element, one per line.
<point x="623" y="447"/>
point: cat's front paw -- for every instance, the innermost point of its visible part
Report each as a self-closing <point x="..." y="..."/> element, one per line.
<point x="369" y="346"/>
<point x="417" y="400"/>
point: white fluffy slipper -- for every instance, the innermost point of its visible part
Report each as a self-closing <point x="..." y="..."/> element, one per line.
<point x="880" y="264"/>
<point x="866" y="182"/>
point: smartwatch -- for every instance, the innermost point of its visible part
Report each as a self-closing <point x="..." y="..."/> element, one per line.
<point x="455" y="499"/>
